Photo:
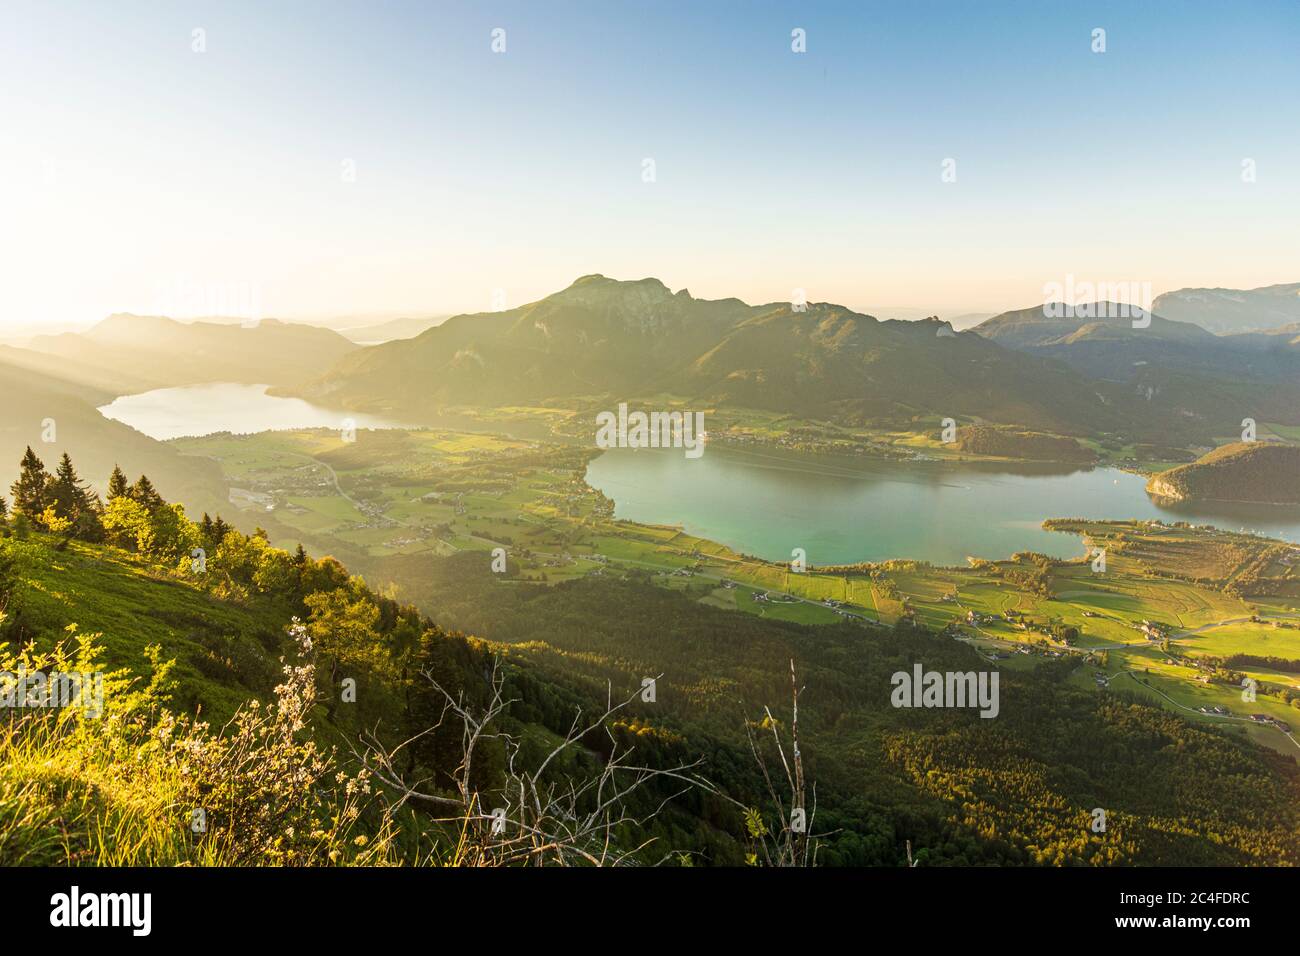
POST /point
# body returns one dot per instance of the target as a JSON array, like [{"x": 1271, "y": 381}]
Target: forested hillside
[
  {"x": 1180, "y": 382},
  {"x": 1263, "y": 472},
  {"x": 1017, "y": 443},
  {"x": 287, "y": 736},
  {"x": 1006, "y": 790},
  {"x": 300, "y": 757}
]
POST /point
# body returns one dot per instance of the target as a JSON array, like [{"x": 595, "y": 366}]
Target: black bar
[{"x": 334, "y": 906}]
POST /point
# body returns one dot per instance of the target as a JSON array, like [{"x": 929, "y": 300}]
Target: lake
[
  {"x": 767, "y": 502},
  {"x": 842, "y": 510},
  {"x": 190, "y": 411},
  {"x": 195, "y": 410}
]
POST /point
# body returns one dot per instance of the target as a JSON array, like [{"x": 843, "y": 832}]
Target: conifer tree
[
  {"x": 219, "y": 530},
  {"x": 144, "y": 493},
  {"x": 74, "y": 502},
  {"x": 29, "y": 490},
  {"x": 117, "y": 484},
  {"x": 64, "y": 491}
]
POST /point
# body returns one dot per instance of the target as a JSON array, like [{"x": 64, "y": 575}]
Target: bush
[{"x": 122, "y": 788}]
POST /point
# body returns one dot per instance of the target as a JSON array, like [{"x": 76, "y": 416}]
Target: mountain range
[
  {"x": 400, "y": 328},
  {"x": 1173, "y": 375},
  {"x": 1233, "y": 310},
  {"x": 140, "y": 352},
  {"x": 602, "y": 338}
]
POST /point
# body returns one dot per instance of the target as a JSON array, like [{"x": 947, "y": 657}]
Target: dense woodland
[
  {"x": 1263, "y": 472},
  {"x": 1017, "y": 443}
]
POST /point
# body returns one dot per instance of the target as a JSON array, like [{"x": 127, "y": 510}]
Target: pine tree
[
  {"x": 205, "y": 530},
  {"x": 117, "y": 484},
  {"x": 64, "y": 491},
  {"x": 146, "y": 495},
  {"x": 29, "y": 490},
  {"x": 300, "y": 556},
  {"x": 219, "y": 530},
  {"x": 4, "y": 510},
  {"x": 74, "y": 502}
]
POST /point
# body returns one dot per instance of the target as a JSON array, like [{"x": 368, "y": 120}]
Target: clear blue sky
[{"x": 132, "y": 164}]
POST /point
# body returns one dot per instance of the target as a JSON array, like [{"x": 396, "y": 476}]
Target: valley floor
[{"x": 1172, "y": 604}]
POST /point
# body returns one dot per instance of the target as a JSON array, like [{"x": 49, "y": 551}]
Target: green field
[{"x": 400, "y": 493}]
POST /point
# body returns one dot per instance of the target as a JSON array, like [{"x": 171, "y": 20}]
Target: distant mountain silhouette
[
  {"x": 602, "y": 337},
  {"x": 1233, "y": 310},
  {"x": 140, "y": 352}
]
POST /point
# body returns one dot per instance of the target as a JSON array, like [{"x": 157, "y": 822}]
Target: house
[{"x": 1154, "y": 630}]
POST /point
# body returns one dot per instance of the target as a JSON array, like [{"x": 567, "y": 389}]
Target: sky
[{"x": 381, "y": 158}]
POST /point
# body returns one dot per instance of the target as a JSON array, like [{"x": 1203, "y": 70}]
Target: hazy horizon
[{"x": 962, "y": 318}]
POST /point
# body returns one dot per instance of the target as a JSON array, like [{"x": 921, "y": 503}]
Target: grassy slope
[{"x": 224, "y": 653}]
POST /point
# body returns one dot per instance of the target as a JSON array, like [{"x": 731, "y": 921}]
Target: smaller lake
[
  {"x": 195, "y": 410},
  {"x": 843, "y": 510}
]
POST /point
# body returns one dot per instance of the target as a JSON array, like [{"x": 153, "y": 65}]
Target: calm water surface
[
  {"x": 767, "y": 503},
  {"x": 195, "y": 410},
  {"x": 841, "y": 510}
]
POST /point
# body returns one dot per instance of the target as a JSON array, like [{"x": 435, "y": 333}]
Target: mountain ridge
[
  {"x": 600, "y": 337},
  {"x": 142, "y": 352},
  {"x": 1223, "y": 310}
]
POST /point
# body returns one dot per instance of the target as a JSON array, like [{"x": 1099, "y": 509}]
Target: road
[{"x": 1287, "y": 734}]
